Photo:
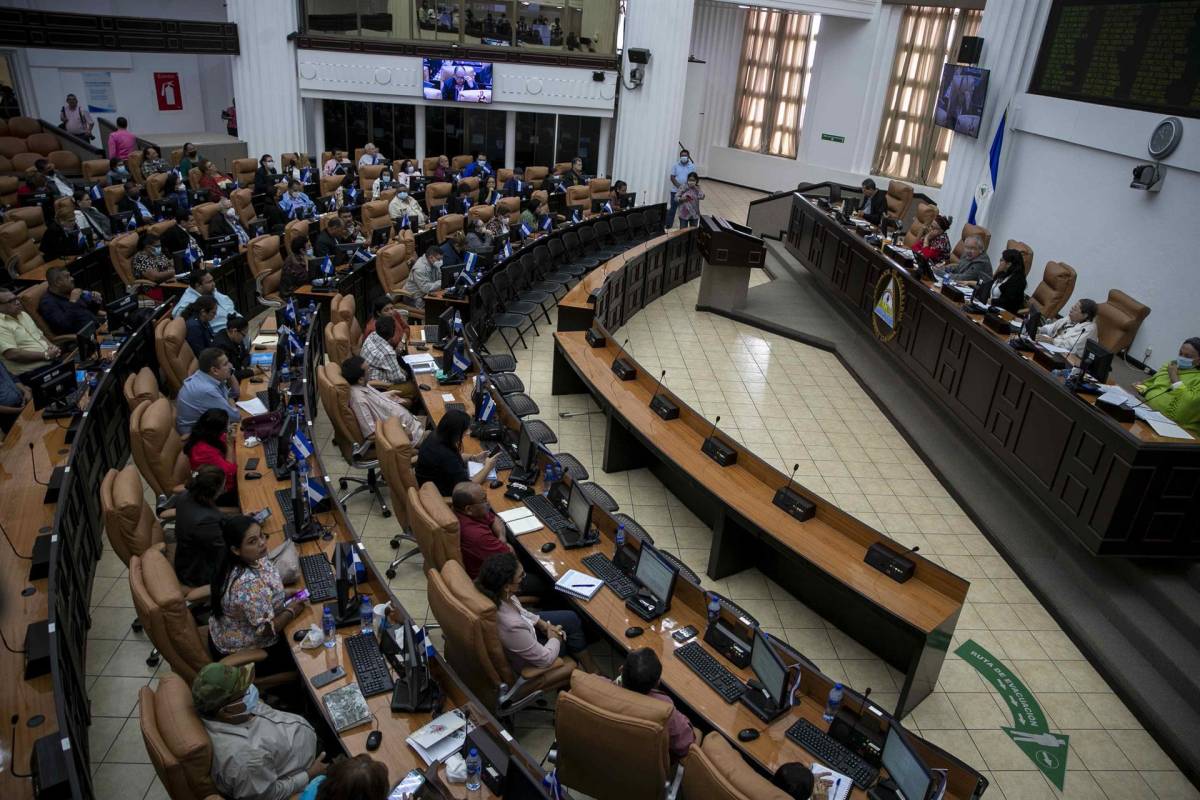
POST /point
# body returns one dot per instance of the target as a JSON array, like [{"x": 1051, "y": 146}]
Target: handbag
[
  {"x": 286, "y": 559},
  {"x": 263, "y": 426}
]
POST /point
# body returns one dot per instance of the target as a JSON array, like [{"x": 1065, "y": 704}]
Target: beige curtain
[
  {"x": 777, "y": 51},
  {"x": 910, "y": 147}
]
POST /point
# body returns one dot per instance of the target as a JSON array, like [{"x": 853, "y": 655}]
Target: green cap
[{"x": 218, "y": 684}]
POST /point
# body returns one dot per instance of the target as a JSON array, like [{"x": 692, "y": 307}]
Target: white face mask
[
  {"x": 1184, "y": 362},
  {"x": 401, "y": 195},
  {"x": 683, "y": 159}
]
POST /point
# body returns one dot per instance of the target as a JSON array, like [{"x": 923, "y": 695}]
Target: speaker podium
[{"x": 730, "y": 251}]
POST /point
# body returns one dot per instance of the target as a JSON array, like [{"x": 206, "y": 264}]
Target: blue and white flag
[
  {"x": 466, "y": 203},
  {"x": 301, "y": 446},
  {"x": 82, "y": 238},
  {"x": 552, "y": 786},
  {"x": 327, "y": 267},
  {"x": 352, "y": 192},
  {"x": 506, "y": 250},
  {"x": 306, "y": 175},
  {"x": 294, "y": 343},
  {"x": 470, "y": 262},
  {"x": 289, "y": 311},
  {"x": 443, "y": 210},
  {"x": 986, "y": 189},
  {"x": 525, "y": 230},
  {"x": 191, "y": 256},
  {"x": 404, "y": 221},
  {"x": 96, "y": 192},
  {"x": 460, "y": 360},
  {"x": 607, "y": 207},
  {"x": 520, "y": 185},
  {"x": 458, "y": 323},
  {"x": 316, "y": 491},
  {"x": 547, "y": 223},
  {"x": 132, "y": 223},
  {"x": 487, "y": 407},
  {"x": 577, "y": 216}
]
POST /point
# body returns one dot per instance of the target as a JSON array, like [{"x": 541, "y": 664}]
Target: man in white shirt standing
[{"x": 76, "y": 118}]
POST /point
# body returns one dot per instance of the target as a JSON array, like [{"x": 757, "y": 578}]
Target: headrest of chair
[
  {"x": 263, "y": 248},
  {"x": 141, "y": 385},
  {"x": 460, "y": 585},
  {"x": 729, "y": 764},
  {"x": 31, "y": 297},
  {"x": 602, "y": 693},
  {"x": 392, "y": 255},
  {"x": 1059, "y": 274},
  {"x": 157, "y": 426},
  {"x": 121, "y": 492},
  {"x": 438, "y": 190},
  {"x": 436, "y": 507},
  {"x": 14, "y": 234},
  {"x": 171, "y": 714},
  {"x": 578, "y": 193}
]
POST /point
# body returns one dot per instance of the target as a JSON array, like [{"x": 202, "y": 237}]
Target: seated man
[
  {"x": 404, "y": 205},
  {"x": 201, "y": 284},
  {"x": 640, "y": 674},
  {"x": 232, "y": 341},
  {"x": 481, "y": 531},
  {"x": 425, "y": 276},
  {"x": 65, "y": 308},
  {"x": 874, "y": 203},
  {"x": 1175, "y": 388},
  {"x": 258, "y": 752},
  {"x": 212, "y": 385},
  {"x": 454, "y": 249},
  {"x": 327, "y": 241},
  {"x": 975, "y": 265},
  {"x": 478, "y": 168},
  {"x": 383, "y": 365},
  {"x": 63, "y": 237},
  {"x": 23, "y": 347},
  {"x": 372, "y": 406},
  {"x": 385, "y": 306},
  {"x": 228, "y": 223},
  {"x": 295, "y": 203},
  {"x": 13, "y": 397},
  {"x": 133, "y": 202},
  {"x": 515, "y": 186},
  {"x": 199, "y": 317}
]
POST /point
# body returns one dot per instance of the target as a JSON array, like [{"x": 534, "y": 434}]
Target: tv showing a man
[{"x": 457, "y": 81}]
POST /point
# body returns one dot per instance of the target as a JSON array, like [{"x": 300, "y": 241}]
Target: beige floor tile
[
  {"x": 978, "y": 710},
  {"x": 1139, "y": 747},
  {"x": 1024, "y": 785},
  {"x": 1170, "y": 785},
  {"x": 1000, "y": 753},
  {"x": 1110, "y": 708},
  {"x": 1097, "y": 750},
  {"x": 122, "y": 780},
  {"x": 115, "y": 697},
  {"x": 1067, "y": 710},
  {"x": 1121, "y": 785},
  {"x": 128, "y": 747}
]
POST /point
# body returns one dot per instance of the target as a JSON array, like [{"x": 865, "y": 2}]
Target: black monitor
[
  {"x": 451, "y": 348},
  {"x": 179, "y": 260},
  {"x": 579, "y": 511},
  {"x": 450, "y": 275},
  {"x": 835, "y": 194},
  {"x": 630, "y": 200},
  {"x": 50, "y": 383},
  {"x": 120, "y": 221},
  {"x": 520, "y": 784},
  {"x": 558, "y": 203},
  {"x": 850, "y": 205},
  {"x": 769, "y": 669},
  {"x": 345, "y": 581},
  {"x": 446, "y": 324},
  {"x": 316, "y": 267},
  {"x": 1033, "y": 321},
  {"x": 86, "y": 345},
  {"x": 526, "y": 463},
  {"x": 283, "y": 442},
  {"x": 301, "y": 527},
  {"x": 910, "y": 774},
  {"x": 655, "y": 574},
  {"x": 1098, "y": 359},
  {"x": 379, "y": 236}
]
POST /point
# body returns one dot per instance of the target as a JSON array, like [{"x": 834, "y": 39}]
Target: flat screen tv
[
  {"x": 961, "y": 98},
  {"x": 457, "y": 81}
]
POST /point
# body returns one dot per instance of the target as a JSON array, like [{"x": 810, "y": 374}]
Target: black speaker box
[{"x": 970, "y": 50}]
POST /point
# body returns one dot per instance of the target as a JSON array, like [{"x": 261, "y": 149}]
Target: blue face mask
[
  {"x": 1184, "y": 362},
  {"x": 250, "y": 699}
]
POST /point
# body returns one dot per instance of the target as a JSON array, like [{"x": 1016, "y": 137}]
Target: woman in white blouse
[{"x": 1072, "y": 331}]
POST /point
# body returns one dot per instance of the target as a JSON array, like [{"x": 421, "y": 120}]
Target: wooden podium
[{"x": 730, "y": 251}]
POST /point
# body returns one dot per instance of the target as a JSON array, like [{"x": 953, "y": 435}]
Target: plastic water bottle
[
  {"x": 620, "y": 536},
  {"x": 329, "y": 627},
  {"x": 835, "y": 700},
  {"x": 714, "y": 608},
  {"x": 473, "y": 770},
  {"x": 548, "y": 481},
  {"x": 367, "y": 614}
]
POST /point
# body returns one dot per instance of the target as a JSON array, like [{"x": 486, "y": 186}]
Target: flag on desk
[
  {"x": 576, "y": 216},
  {"x": 316, "y": 491},
  {"x": 470, "y": 262},
  {"x": 327, "y": 267},
  {"x": 466, "y": 203},
  {"x": 192, "y": 255},
  {"x": 96, "y": 192},
  {"x": 525, "y": 231},
  {"x": 487, "y": 407},
  {"x": 289, "y": 311},
  {"x": 547, "y": 223},
  {"x": 506, "y": 250},
  {"x": 607, "y": 207},
  {"x": 306, "y": 175},
  {"x": 301, "y": 446},
  {"x": 404, "y": 222},
  {"x": 986, "y": 189},
  {"x": 82, "y": 238},
  {"x": 294, "y": 344},
  {"x": 132, "y": 223},
  {"x": 352, "y": 192},
  {"x": 460, "y": 360}
]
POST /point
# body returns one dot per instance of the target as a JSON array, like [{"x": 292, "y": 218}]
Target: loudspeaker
[{"x": 969, "y": 50}]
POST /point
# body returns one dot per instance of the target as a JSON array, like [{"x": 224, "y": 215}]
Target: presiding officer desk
[
  {"x": 1117, "y": 486},
  {"x": 396, "y": 727}
]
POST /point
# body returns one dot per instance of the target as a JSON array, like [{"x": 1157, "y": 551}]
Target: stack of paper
[
  {"x": 1161, "y": 424},
  {"x": 579, "y": 584},
  {"x": 421, "y": 363},
  {"x": 441, "y": 738},
  {"x": 473, "y": 468},
  {"x": 266, "y": 340},
  {"x": 521, "y": 520}
]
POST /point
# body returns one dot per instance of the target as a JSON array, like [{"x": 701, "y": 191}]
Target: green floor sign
[{"x": 1030, "y": 732}]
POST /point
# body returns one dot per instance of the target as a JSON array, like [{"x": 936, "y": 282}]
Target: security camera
[
  {"x": 637, "y": 75},
  {"x": 638, "y": 55},
  {"x": 1147, "y": 177}
]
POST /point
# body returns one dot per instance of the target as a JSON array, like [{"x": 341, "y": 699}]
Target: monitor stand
[
  {"x": 885, "y": 790},
  {"x": 763, "y": 707}
]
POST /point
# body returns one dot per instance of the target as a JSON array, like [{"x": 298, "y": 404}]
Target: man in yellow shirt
[
  {"x": 1175, "y": 389},
  {"x": 23, "y": 346}
]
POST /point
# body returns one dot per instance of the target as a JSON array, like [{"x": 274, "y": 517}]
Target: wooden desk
[{"x": 1119, "y": 488}]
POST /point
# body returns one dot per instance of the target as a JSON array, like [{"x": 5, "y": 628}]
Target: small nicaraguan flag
[
  {"x": 404, "y": 221},
  {"x": 547, "y": 223},
  {"x": 327, "y": 266},
  {"x": 190, "y": 256},
  {"x": 131, "y": 224},
  {"x": 552, "y": 786},
  {"x": 525, "y": 230},
  {"x": 470, "y": 261},
  {"x": 466, "y": 203},
  {"x": 316, "y": 491},
  {"x": 520, "y": 185},
  {"x": 576, "y": 216},
  {"x": 301, "y": 447},
  {"x": 96, "y": 192},
  {"x": 361, "y": 255},
  {"x": 82, "y": 239},
  {"x": 352, "y": 192},
  {"x": 295, "y": 208},
  {"x": 306, "y": 175},
  {"x": 607, "y": 207},
  {"x": 494, "y": 198},
  {"x": 506, "y": 251},
  {"x": 460, "y": 360},
  {"x": 297, "y": 347},
  {"x": 487, "y": 407},
  {"x": 457, "y": 325},
  {"x": 289, "y": 311},
  {"x": 443, "y": 210}
]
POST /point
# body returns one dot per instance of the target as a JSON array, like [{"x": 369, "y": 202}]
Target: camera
[
  {"x": 1147, "y": 177},
  {"x": 638, "y": 55}
]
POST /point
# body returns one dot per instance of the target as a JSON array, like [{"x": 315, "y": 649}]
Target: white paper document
[
  {"x": 473, "y": 468},
  {"x": 839, "y": 784},
  {"x": 421, "y": 363},
  {"x": 1161, "y": 425},
  {"x": 521, "y": 520},
  {"x": 579, "y": 584},
  {"x": 440, "y": 738},
  {"x": 253, "y": 406}
]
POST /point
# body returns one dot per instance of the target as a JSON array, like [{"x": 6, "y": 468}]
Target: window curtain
[
  {"x": 777, "y": 52},
  {"x": 910, "y": 147}
]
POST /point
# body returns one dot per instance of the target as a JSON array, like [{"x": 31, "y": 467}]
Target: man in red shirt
[{"x": 481, "y": 531}]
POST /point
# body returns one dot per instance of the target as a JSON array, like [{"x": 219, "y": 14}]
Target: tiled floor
[{"x": 791, "y": 404}]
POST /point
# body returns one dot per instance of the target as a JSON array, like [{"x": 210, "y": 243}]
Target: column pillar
[
  {"x": 1011, "y": 31},
  {"x": 265, "y": 82},
  {"x": 318, "y": 128},
  {"x": 419, "y": 124},
  {"x": 649, "y": 117},
  {"x": 510, "y": 139},
  {"x": 604, "y": 146}
]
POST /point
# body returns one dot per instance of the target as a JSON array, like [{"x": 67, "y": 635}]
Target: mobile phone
[
  {"x": 328, "y": 677},
  {"x": 408, "y": 786},
  {"x": 684, "y": 634},
  {"x": 252, "y": 463},
  {"x": 494, "y": 451},
  {"x": 261, "y": 516},
  {"x": 299, "y": 596}
]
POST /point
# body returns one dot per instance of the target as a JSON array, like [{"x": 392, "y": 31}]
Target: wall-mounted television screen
[
  {"x": 960, "y": 99},
  {"x": 459, "y": 81}
]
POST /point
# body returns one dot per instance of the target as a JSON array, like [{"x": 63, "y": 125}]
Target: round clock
[{"x": 1165, "y": 138}]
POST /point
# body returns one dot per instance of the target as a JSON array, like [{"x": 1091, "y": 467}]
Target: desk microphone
[
  {"x": 622, "y": 368},
  {"x": 717, "y": 450},
  {"x": 662, "y": 405},
  {"x": 792, "y": 501}
]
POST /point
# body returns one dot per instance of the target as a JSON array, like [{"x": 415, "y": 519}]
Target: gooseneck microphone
[
  {"x": 622, "y": 368},
  {"x": 717, "y": 450},
  {"x": 662, "y": 405},
  {"x": 791, "y": 501}
]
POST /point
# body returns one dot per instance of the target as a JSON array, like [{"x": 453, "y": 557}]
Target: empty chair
[
  {"x": 156, "y": 447},
  {"x": 121, "y": 250},
  {"x": 243, "y": 170},
  {"x": 17, "y": 249},
  {"x": 23, "y": 127},
  {"x": 448, "y": 224},
  {"x": 32, "y": 216},
  {"x": 263, "y": 255},
  {"x": 176, "y": 359},
  {"x": 499, "y": 319},
  {"x": 437, "y": 194},
  {"x": 1118, "y": 319},
  {"x": 294, "y": 229},
  {"x": 244, "y": 205},
  {"x": 41, "y": 143},
  {"x": 375, "y": 216},
  {"x": 1055, "y": 289},
  {"x": 458, "y": 163},
  {"x": 140, "y": 386},
  {"x": 899, "y": 198},
  {"x": 536, "y": 175},
  {"x": 337, "y": 341},
  {"x": 129, "y": 521},
  {"x": 579, "y": 198}
]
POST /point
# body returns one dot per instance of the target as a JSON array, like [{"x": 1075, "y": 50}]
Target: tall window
[
  {"x": 910, "y": 147},
  {"x": 454, "y": 131},
  {"x": 350, "y": 124},
  {"x": 777, "y": 58}
]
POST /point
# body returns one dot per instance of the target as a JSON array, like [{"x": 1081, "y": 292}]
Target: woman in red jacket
[
  {"x": 934, "y": 245},
  {"x": 208, "y": 444}
]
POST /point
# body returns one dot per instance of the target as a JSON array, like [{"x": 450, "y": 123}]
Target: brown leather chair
[
  {"x": 598, "y": 724},
  {"x": 176, "y": 741},
  {"x": 502, "y": 176},
  {"x": 23, "y": 127},
  {"x": 540, "y": 195},
  {"x": 367, "y": 175},
  {"x": 154, "y": 185},
  {"x": 899, "y": 198},
  {"x": 294, "y": 228},
  {"x": 64, "y": 204},
  {"x": 600, "y": 188},
  {"x": 375, "y": 216},
  {"x": 66, "y": 162},
  {"x": 121, "y": 250},
  {"x": 925, "y": 213},
  {"x": 434, "y": 526},
  {"x": 437, "y": 194},
  {"x": 473, "y": 649},
  {"x": 469, "y": 187},
  {"x": 1056, "y": 288},
  {"x": 95, "y": 170},
  {"x": 1025, "y": 250},
  {"x": 330, "y": 184},
  {"x": 969, "y": 230},
  {"x": 9, "y": 184},
  {"x": 536, "y": 175},
  {"x": 6, "y": 166},
  {"x": 141, "y": 386},
  {"x": 244, "y": 169},
  {"x": 157, "y": 449},
  {"x": 393, "y": 262},
  {"x": 26, "y": 162},
  {"x": 357, "y": 449},
  {"x": 263, "y": 255},
  {"x": 177, "y": 361},
  {"x": 344, "y": 308},
  {"x": 193, "y": 178},
  {"x": 134, "y": 163},
  {"x": 112, "y": 196},
  {"x": 176, "y": 156},
  {"x": 715, "y": 771},
  {"x": 286, "y": 160},
  {"x": 17, "y": 248},
  {"x": 562, "y": 167},
  {"x": 1118, "y": 319},
  {"x": 579, "y": 197},
  {"x": 33, "y": 217},
  {"x": 510, "y": 207},
  {"x": 458, "y": 163},
  {"x": 243, "y": 204},
  {"x": 30, "y": 299},
  {"x": 483, "y": 212},
  {"x": 429, "y": 165},
  {"x": 447, "y": 225},
  {"x": 396, "y": 453},
  {"x": 42, "y": 143},
  {"x": 203, "y": 214},
  {"x": 337, "y": 341},
  {"x": 129, "y": 520},
  {"x": 11, "y": 146}
]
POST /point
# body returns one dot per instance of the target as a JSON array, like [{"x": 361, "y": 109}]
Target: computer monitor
[
  {"x": 120, "y": 221},
  {"x": 579, "y": 511},
  {"x": 283, "y": 442},
  {"x": 1100, "y": 360},
  {"x": 519, "y": 784},
  {"x": 120, "y": 310},
  {"x": 835, "y": 194},
  {"x": 558, "y": 203},
  {"x": 379, "y": 237},
  {"x": 850, "y": 205},
  {"x": 769, "y": 669},
  {"x": 446, "y": 324},
  {"x": 904, "y": 767},
  {"x": 50, "y": 383},
  {"x": 448, "y": 352},
  {"x": 1033, "y": 321},
  {"x": 655, "y": 574},
  {"x": 450, "y": 275},
  {"x": 179, "y": 260},
  {"x": 86, "y": 345},
  {"x": 526, "y": 462},
  {"x": 345, "y": 585},
  {"x": 301, "y": 512}
]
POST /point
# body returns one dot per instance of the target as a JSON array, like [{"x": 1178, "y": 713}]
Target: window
[
  {"x": 777, "y": 57},
  {"x": 464, "y": 131},
  {"x": 910, "y": 147},
  {"x": 350, "y": 124},
  {"x": 535, "y": 139},
  {"x": 578, "y": 136}
]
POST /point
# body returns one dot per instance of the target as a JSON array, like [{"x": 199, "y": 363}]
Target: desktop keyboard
[
  {"x": 504, "y": 461},
  {"x": 456, "y": 407},
  {"x": 318, "y": 578},
  {"x": 721, "y": 680},
  {"x": 264, "y": 398},
  {"x": 602, "y": 567},
  {"x": 369, "y": 666},
  {"x": 833, "y": 753},
  {"x": 271, "y": 451},
  {"x": 546, "y": 512},
  {"x": 283, "y": 499}
]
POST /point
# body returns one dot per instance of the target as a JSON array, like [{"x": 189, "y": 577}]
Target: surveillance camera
[
  {"x": 637, "y": 75},
  {"x": 598, "y": 76},
  {"x": 638, "y": 55},
  {"x": 1147, "y": 177}
]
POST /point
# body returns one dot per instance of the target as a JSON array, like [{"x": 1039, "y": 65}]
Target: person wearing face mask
[
  {"x": 63, "y": 238},
  {"x": 91, "y": 219},
  {"x": 295, "y": 267},
  {"x": 173, "y": 192},
  {"x": 262, "y": 175},
  {"x": 408, "y": 171},
  {"x": 425, "y": 276},
  {"x": 55, "y": 182},
  {"x": 228, "y": 223},
  {"x": 1073, "y": 331},
  {"x": 479, "y": 168},
  {"x": 132, "y": 202},
  {"x": 150, "y": 263},
  {"x": 212, "y": 179},
  {"x": 488, "y": 196},
  {"x": 295, "y": 203},
  {"x": 273, "y": 211},
  {"x": 404, "y": 204},
  {"x": 574, "y": 176},
  {"x": 479, "y": 241},
  {"x": 516, "y": 185},
  {"x": 258, "y": 752},
  {"x": 191, "y": 158},
  {"x": 1175, "y": 388},
  {"x": 118, "y": 172},
  {"x": 678, "y": 178},
  {"x": 381, "y": 184},
  {"x": 689, "y": 198},
  {"x": 442, "y": 171}
]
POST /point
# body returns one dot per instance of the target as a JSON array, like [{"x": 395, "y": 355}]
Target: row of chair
[{"x": 23, "y": 141}]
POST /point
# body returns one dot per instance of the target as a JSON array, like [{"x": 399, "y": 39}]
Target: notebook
[
  {"x": 442, "y": 737},
  {"x": 579, "y": 584},
  {"x": 521, "y": 520},
  {"x": 347, "y": 707},
  {"x": 837, "y": 791}
]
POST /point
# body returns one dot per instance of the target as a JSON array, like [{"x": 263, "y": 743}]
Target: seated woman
[
  {"x": 618, "y": 196},
  {"x": 440, "y": 458},
  {"x": 382, "y": 183},
  {"x": 198, "y": 542},
  {"x": 295, "y": 268},
  {"x": 408, "y": 171},
  {"x": 118, "y": 172},
  {"x": 1006, "y": 287},
  {"x": 487, "y": 192},
  {"x": 934, "y": 244},
  {"x": 174, "y": 192},
  {"x": 529, "y": 639},
  {"x": 1175, "y": 388},
  {"x": 211, "y": 179},
  {"x": 263, "y": 173},
  {"x": 357, "y": 778},
  {"x": 199, "y": 316},
  {"x": 1072, "y": 331},
  {"x": 150, "y": 263},
  {"x": 208, "y": 444},
  {"x": 442, "y": 171},
  {"x": 249, "y": 608}
]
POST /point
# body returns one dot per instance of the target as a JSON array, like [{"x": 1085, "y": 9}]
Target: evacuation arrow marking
[{"x": 1046, "y": 749}]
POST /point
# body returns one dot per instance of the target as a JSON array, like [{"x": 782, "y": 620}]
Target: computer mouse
[
  {"x": 496, "y": 484},
  {"x": 548, "y": 546},
  {"x": 423, "y": 387},
  {"x": 373, "y": 740},
  {"x": 634, "y": 632},
  {"x": 299, "y": 635},
  {"x": 744, "y": 735},
  {"x": 253, "y": 476}
]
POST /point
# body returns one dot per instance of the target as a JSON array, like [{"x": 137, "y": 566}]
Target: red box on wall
[{"x": 168, "y": 91}]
